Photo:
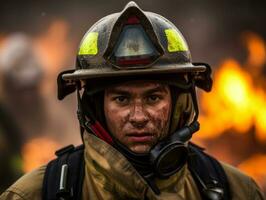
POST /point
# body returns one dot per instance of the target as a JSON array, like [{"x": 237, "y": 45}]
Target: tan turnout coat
[{"x": 108, "y": 175}]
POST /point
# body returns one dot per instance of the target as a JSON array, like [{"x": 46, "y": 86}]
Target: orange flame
[
  {"x": 38, "y": 152},
  {"x": 236, "y": 101},
  {"x": 53, "y": 48},
  {"x": 256, "y": 49}
]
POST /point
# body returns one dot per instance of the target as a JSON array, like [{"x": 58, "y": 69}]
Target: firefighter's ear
[
  {"x": 65, "y": 87},
  {"x": 203, "y": 80}
]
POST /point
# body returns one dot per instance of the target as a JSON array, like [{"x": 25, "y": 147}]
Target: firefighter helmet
[{"x": 132, "y": 42}]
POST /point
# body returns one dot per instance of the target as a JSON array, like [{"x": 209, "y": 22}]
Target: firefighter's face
[{"x": 138, "y": 113}]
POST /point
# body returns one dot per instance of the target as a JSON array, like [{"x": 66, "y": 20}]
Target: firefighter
[{"x": 137, "y": 109}]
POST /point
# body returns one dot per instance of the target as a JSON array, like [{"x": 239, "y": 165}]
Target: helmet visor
[{"x": 134, "y": 48}]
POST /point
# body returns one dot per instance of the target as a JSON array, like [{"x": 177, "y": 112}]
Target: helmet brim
[{"x": 83, "y": 74}]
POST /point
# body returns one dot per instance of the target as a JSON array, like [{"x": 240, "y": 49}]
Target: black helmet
[{"x": 132, "y": 42}]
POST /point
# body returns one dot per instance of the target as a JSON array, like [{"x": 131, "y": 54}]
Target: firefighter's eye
[
  {"x": 121, "y": 99},
  {"x": 153, "y": 98}
]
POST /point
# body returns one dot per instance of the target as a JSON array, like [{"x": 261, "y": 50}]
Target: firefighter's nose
[{"x": 138, "y": 116}]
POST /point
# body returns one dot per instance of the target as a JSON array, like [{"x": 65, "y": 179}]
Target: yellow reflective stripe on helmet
[
  {"x": 89, "y": 45},
  {"x": 175, "y": 41}
]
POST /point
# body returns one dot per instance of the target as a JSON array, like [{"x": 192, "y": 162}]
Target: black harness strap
[
  {"x": 62, "y": 176},
  {"x": 208, "y": 174}
]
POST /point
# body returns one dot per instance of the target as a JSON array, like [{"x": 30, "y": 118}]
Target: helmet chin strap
[{"x": 164, "y": 159}]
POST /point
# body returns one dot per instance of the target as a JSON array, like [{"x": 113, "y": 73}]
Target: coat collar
[{"x": 113, "y": 173}]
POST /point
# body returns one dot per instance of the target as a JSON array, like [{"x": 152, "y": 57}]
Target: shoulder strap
[
  {"x": 208, "y": 174},
  {"x": 64, "y": 175}
]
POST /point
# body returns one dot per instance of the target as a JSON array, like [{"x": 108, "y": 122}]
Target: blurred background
[{"x": 40, "y": 38}]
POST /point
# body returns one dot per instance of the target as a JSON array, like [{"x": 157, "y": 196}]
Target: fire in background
[{"x": 233, "y": 115}]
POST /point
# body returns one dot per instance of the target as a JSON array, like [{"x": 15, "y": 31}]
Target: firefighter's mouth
[{"x": 142, "y": 137}]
